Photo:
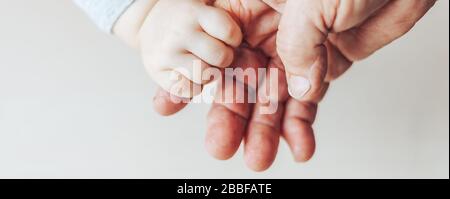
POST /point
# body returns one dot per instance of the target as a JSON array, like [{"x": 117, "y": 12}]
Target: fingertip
[
  {"x": 260, "y": 149},
  {"x": 301, "y": 155},
  {"x": 300, "y": 137},
  {"x": 225, "y": 130},
  {"x": 305, "y": 83},
  {"x": 220, "y": 24},
  {"x": 226, "y": 58},
  {"x": 167, "y": 105},
  {"x": 256, "y": 165},
  {"x": 233, "y": 35},
  {"x": 237, "y": 36},
  {"x": 259, "y": 159},
  {"x": 218, "y": 150}
]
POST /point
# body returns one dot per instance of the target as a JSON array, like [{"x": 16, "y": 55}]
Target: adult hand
[
  {"x": 230, "y": 123},
  {"x": 342, "y": 31},
  {"x": 357, "y": 29}
]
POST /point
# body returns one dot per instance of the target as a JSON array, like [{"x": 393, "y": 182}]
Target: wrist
[{"x": 128, "y": 25}]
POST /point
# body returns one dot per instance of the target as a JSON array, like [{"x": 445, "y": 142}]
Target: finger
[
  {"x": 219, "y": 24},
  {"x": 300, "y": 46},
  {"x": 308, "y": 89},
  {"x": 191, "y": 67},
  {"x": 338, "y": 64},
  {"x": 386, "y": 25},
  {"x": 167, "y": 71},
  {"x": 166, "y": 104},
  {"x": 262, "y": 139},
  {"x": 211, "y": 50},
  {"x": 263, "y": 27},
  {"x": 297, "y": 129},
  {"x": 227, "y": 121},
  {"x": 304, "y": 30},
  {"x": 350, "y": 13},
  {"x": 176, "y": 83},
  {"x": 229, "y": 115},
  {"x": 245, "y": 69},
  {"x": 264, "y": 129}
]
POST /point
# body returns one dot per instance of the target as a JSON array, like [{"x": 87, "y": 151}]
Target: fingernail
[{"x": 298, "y": 86}]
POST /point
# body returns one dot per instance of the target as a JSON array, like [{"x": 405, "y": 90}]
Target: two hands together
[{"x": 305, "y": 43}]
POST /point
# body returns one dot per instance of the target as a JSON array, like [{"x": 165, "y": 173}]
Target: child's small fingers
[
  {"x": 176, "y": 83},
  {"x": 194, "y": 69},
  {"x": 219, "y": 24},
  {"x": 211, "y": 50}
]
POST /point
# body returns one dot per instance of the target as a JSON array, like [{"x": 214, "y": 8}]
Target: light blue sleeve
[{"x": 104, "y": 13}]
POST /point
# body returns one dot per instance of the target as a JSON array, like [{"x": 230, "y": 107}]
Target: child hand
[{"x": 176, "y": 33}]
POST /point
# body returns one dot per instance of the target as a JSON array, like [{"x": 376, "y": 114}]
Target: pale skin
[
  {"x": 315, "y": 51},
  {"x": 195, "y": 31}
]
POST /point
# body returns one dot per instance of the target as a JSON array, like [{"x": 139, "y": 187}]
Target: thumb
[
  {"x": 302, "y": 35},
  {"x": 300, "y": 46}
]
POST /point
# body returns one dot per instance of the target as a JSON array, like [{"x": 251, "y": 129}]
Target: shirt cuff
[{"x": 104, "y": 13}]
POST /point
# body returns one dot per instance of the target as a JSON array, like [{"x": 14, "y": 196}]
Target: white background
[{"x": 76, "y": 103}]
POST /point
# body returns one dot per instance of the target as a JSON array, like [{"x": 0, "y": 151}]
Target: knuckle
[
  {"x": 224, "y": 57},
  {"x": 229, "y": 32}
]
